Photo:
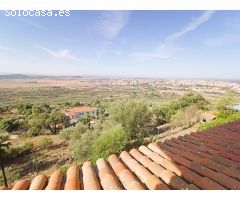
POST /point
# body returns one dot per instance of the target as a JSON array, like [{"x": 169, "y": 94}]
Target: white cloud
[
  {"x": 224, "y": 40},
  {"x": 193, "y": 25},
  {"x": 64, "y": 54},
  {"x": 111, "y": 23},
  {"x": 167, "y": 49}
]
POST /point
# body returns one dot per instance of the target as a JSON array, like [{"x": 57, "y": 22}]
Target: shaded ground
[{"x": 39, "y": 161}]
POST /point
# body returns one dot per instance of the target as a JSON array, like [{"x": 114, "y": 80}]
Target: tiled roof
[
  {"x": 72, "y": 111},
  {"x": 201, "y": 160}
]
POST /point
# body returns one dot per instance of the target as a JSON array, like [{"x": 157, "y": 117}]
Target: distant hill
[{"x": 13, "y": 76}]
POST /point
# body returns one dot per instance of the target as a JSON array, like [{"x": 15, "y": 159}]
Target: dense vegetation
[{"x": 128, "y": 124}]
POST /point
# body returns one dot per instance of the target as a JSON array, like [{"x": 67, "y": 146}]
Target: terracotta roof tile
[
  {"x": 127, "y": 178},
  {"x": 90, "y": 181},
  {"x": 150, "y": 180},
  {"x": 22, "y": 185},
  {"x": 72, "y": 179},
  {"x": 55, "y": 180},
  {"x": 109, "y": 180},
  {"x": 38, "y": 183},
  {"x": 203, "y": 160}
]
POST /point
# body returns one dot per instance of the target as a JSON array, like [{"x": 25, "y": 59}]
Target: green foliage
[
  {"x": 37, "y": 124},
  {"x": 86, "y": 120},
  {"x": 73, "y": 132},
  {"x": 44, "y": 142},
  {"x": 164, "y": 113},
  {"x": 134, "y": 117},
  {"x": 110, "y": 141},
  {"x": 12, "y": 124},
  {"x": 19, "y": 150},
  {"x": 82, "y": 147},
  {"x": 24, "y": 109},
  {"x": 66, "y": 133},
  {"x": 56, "y": 121},
  {"x": 223, "y": 119}
]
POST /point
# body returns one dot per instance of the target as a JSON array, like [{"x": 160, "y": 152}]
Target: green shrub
[
  {"x": 73, "y": 132},
  {"x": 109, "y": 142},
  {"x": 66, "y": 133},
  {"x": 44, "y": 142},
  {"x": 134, "y": 117},
  {"x": 164, "y": 113},
  {"x": 82, "y": 146},
  {"x": 19, "y": 150}
]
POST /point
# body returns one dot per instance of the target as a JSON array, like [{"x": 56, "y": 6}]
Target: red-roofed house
[{"x": 78, "y": 112}]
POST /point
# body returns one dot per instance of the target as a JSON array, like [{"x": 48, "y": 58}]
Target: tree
[
  {"x": 56, "y": 121},
  {"x": 82, "y": 146},
  {"x": 164, "y": 113},
  {"x": 113, "y": 140},
  {"x": 86, "y": 120},
  {"x": 4, "y": 145},
  {"x": 161, "y": 115},
  {"x": 134, "y": 117},
  {"x": 11, "y": 124},
  {"x": 37, "y": 124}
]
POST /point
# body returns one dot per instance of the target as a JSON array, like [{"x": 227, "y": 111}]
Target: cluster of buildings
[{"x": 211, "y": 86}]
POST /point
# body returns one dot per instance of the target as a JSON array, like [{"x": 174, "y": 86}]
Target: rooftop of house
[
  {"x": 203, "y": 160},
  {"x": 73, "y": 111}
]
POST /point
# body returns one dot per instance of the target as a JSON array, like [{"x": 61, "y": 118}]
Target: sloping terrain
[{"x": 201, "y": 160}]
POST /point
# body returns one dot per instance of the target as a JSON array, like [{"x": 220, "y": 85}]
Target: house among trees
[{"x": 77, "y": 113}]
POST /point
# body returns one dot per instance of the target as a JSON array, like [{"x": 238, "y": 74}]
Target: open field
[{"x": 86, "y": 90}]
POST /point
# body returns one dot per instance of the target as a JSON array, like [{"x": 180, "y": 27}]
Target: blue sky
[{"x": 164, "y": 44}]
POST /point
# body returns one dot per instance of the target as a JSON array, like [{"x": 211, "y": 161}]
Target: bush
[
  {"x": 44, "y": 142},
  {"x": 19, "y": 150},
  {"x": 82, "y": 146},
  {"x": 109, "y": 142},
  {"x": 134, "y": 117},
  {"x": 66, "y": 133},
  {"x": 73, "y": 132},
  {"x": 11, "y": 124},
  {"x": 164, "y": 113}
]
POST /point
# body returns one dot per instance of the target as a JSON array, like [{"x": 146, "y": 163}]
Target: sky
[{"x": 159, "y": 44}]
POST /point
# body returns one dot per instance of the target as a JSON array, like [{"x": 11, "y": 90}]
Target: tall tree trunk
[{"x": 3, "y": 172}]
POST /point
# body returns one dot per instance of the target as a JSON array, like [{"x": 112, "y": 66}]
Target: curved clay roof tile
[
  {"x": 22, "y": 185},
  {"x": 72, "y": 179},
  {"x": 38, "y": 183},
  {"x": 55, "y": 180},
  {"x": 90, "y": 181}
]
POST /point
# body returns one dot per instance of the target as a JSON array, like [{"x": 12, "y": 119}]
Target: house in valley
[{"x": 77, "y": 113}]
